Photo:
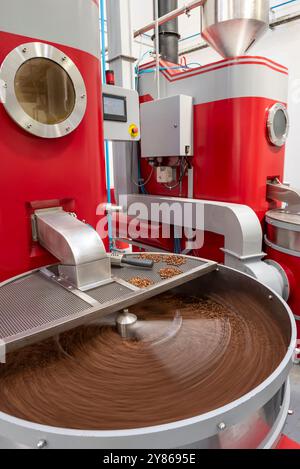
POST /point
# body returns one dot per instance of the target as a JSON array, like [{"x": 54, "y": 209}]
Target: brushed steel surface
[
  {"x": 153, "y": 274},
  {"x": 283, "y": 230},
  {"x": 292, "y": 428},
  {"x": 244, "y": 435},
  {"x": 283, "y": 193},
  {"x": 125, "y": 321},
  {"x": 288, "y": 218},
  {"x": 33, "y": 301},
  {"x": 112, "y": 292},
  {"x": 36, "y": 306},
  {"x": 231, "y": 27},
  {"x": 77, "y": 245},
  {"x": 67, "y": 238},
  {"x": 253, "y": 421}
]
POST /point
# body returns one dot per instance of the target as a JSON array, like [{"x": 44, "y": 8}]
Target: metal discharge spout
[{"x": 232, "y": 27}]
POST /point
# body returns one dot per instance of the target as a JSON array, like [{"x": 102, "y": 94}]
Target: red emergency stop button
[{"x": 134, "y": 130}]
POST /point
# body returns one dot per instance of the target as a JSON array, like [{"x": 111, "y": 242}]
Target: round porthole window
[
  {"x": 45, "y": 92},
  {"x": 278, "y": 124}
]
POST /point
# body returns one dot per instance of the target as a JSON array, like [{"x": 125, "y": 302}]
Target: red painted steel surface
[
  {"x": 233, "y": 158},
  {"x": 232, "y": 155},
  {"x": 37, "y": 173},
  {"x": 291, "y": 265},
  {"x": 286, "y": 443},
  {"x": 181, "y": 73}
]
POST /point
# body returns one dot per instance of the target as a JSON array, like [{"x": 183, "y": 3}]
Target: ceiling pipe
[
  {"x": 168, "y": 32},
  {"x": 185, "y": 9}
]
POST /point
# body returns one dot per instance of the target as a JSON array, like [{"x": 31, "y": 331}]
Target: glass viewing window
[{"x": 45, "y": 91}]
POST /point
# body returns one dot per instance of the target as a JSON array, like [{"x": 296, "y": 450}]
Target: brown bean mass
[
  {"x": 169, "y": 272},
  {"x": 175, "y": 260},
  {"x": 151, "y": 257},
  {"x": 170, "y": 259},
  {"x": 190, "y": 356},
  {"x": 141, "y": 282}
]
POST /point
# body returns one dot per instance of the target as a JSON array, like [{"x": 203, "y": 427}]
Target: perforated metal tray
[{"x": 39, "y": 304}]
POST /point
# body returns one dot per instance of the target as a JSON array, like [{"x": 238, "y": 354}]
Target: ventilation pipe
[{"x": 168, "y": 32}]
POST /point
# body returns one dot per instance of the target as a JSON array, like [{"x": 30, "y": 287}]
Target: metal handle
[{"x": 143, "y": 263}]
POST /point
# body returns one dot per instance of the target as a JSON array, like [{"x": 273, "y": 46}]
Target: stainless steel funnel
[{"x": 231, "y": 27}]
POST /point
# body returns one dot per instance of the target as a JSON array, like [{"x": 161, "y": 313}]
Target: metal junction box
[
  {"x": 165, "y": 174},
  {"x": 167, "y": 127}
]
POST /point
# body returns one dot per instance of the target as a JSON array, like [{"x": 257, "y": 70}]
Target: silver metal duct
[
  {"x": 231, "y": 27},
  {"x": 77, "y": 245}
]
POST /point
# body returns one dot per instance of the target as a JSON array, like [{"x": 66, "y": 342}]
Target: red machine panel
[
  {"x": 40, "y": 173},
  {"x": 291, "y": 265},
  {"x": 233, "y": 157}
]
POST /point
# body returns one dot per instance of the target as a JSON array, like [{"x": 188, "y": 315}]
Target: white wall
[{"x": 281, "y": 45}]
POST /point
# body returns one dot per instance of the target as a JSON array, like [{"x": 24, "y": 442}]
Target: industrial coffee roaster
[{"x": 213, "y": 137}]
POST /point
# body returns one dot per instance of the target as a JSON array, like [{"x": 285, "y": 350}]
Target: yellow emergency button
[{"x": 134, "y": 131}]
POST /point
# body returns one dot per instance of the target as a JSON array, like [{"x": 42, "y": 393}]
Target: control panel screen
[{"x": 115, "y": 108}]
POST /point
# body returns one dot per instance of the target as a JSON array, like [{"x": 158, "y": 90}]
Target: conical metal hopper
[{"x": 231, "y": 27}]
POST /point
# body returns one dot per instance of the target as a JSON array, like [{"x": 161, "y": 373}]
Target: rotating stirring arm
[{"x": 279, "y": 192}]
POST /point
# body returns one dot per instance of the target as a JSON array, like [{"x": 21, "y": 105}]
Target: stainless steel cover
[
  {"x": 255, "y": 420},
  {"x": 40, "y": 304},
  {"x": 283, "y": 231}
]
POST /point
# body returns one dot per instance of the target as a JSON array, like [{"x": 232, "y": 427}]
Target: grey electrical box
[{"x": 167, "y": 127}]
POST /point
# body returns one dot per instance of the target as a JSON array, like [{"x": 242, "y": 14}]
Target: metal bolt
[
  {"x": 4, "y": 85},
  {"x": 68, "y": 129},
  {"x": 222, "y": 426},
  {"x": 83, "y": 96},
  {"x": 24, "y": 50},
  {"x": 291, "y": 412},
  {"x": 64, "y": 58},
  {"x": 271, "y": 297},
  {"x": 188, "y": 12},
  {"x": 28, "y": 126},
  {"x": 41, "y": 444}
]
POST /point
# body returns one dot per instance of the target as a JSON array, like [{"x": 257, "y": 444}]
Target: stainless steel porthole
[
  {"x": 278, "y": 124},
  {"x": 45, "y": 91}
]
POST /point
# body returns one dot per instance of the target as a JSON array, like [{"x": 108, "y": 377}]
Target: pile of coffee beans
[
  {"x": 141, "y": 282},
  {"x": 169, "y": 272},
  {"x": 175, "y": 260}
]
